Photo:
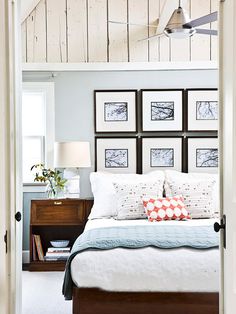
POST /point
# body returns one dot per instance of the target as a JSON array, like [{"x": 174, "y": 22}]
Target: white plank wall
[
  {"x": 36, "y": 34},
  {"x": 154, "y": 44},
  {"x": 138, "y": 14},
  {"x": 200, "y": 44},
  {"x": 118, "y": 33},
  {"x": 79, "y": 31},
  {"x": 165, "y": 48},
  {"x": 56, "y": 31},
  {"x": 97, "y": 31},
  {"x": 180, "y": 48},
  {"x": 214, "y": 39},
  {"x": 23, "y": 42}
]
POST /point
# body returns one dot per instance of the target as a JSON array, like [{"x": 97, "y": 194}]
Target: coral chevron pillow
[{"x": 168, "y": 208}]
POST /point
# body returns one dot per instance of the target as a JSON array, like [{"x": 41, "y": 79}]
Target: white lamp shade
[{"x": 72, "y": 155}]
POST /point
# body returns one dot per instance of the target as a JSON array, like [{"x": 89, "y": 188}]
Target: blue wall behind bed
[{"x": 74, "y": 116}]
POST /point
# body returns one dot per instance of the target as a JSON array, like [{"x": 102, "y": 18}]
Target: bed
[
  {"x": 125, "y": 265},
  {"x": 181, "y": 280}
]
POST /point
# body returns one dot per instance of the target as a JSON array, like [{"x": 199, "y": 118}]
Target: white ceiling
[{"x": 27, "y": 7}]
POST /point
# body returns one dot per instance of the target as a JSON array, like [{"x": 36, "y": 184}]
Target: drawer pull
[{"x": 57, "y": 203}]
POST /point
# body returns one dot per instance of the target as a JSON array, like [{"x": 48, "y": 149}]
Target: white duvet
[{"x": 147, "y": 269}]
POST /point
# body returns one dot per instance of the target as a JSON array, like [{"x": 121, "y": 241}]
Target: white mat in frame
[
  {"x": 116, "y": 154},
  {"x": 162, "y": 110},
  {"x": 203, "y": 154},
  {"x": 161, "y": 153}
]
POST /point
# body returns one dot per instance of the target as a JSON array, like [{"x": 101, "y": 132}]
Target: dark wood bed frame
[{"x": 96, "y": 301}]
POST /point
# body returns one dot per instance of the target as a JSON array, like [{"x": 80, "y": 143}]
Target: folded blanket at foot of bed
[{"x": 134, "y": 237}]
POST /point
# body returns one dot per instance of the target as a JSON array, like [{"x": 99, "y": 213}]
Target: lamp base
[{"x": 73, "y": 183}]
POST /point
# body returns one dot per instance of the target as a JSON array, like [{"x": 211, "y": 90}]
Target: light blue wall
[{"x": 74, "y": 116}]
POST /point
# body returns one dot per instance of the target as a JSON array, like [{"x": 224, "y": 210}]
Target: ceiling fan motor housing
[{"x": 175, "y": 28}]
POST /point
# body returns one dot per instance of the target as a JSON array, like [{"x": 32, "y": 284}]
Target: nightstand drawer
[{"x": 58, "y": 212}]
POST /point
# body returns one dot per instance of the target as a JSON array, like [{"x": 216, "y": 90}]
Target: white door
[
  {"x": 10, "y": 161},
  {"x": 228, "y": 149}
]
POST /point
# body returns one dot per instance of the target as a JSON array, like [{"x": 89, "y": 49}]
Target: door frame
[{"x": 10, "y": 163}]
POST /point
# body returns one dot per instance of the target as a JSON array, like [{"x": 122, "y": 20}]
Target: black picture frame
[
  {"x": 183, "y": 156},
  {"x": 142, "y": 91},
  {"x": 114, "y": 138},
  {"x": 134, "y": 116},
  {"x": 200, "y": 130}
]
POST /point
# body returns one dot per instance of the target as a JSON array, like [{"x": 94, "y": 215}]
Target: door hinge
[{"x": 6, "y": 241}]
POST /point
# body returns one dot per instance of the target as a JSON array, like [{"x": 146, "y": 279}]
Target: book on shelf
[
  {"x": 39, "y": 247},
  {"x": 58, "y": 249},
  {"x": 34, "y": 252},
  {"x": 63, "y": 254}
]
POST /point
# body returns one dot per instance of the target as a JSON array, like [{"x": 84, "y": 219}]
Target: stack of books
[{"x": 57, "y": 254}]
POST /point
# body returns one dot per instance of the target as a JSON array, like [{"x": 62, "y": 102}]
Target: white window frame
[{"x": 48, "y": 89}]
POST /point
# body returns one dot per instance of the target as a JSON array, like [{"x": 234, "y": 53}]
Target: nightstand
[{"x": 56, "y": 219}]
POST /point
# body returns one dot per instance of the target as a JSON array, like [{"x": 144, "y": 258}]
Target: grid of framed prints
[
  {"x": 202, "y": 109},
  {"x": 161, "y": 153},
  {"x": 115, "y": 110},
  {"x": 168, "y": 117},
  {"x": 203, "y": 154},
  {"x": 162, "y": 110},
  {"x": 117, "y": 155}
]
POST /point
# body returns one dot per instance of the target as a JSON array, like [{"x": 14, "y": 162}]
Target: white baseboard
[{"x": 25, "y": 257}]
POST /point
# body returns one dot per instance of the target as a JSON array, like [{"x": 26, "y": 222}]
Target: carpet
[{"x": 41, "y": 293}]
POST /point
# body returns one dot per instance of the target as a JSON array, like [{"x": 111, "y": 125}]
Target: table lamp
[{"x": 71, "y": 156}]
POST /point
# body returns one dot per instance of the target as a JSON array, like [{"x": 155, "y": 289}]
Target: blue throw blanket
[{"x": 133, "y": 237}]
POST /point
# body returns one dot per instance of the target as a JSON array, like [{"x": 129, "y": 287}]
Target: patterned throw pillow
[
  {"x": 129, "y": 198},
  {"x": 168, "y": 208},
  {"x": 198, "y": 196}
]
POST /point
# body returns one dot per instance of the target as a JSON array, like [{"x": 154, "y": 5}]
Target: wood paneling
[
  {"x": 154, "y": 44},
  {"x": 200, "y": 44},
  {"x": 79, "y": 31},
  {"x": 56, "y": 31},
  {"x": 97, "y": 31},
  {"x": 23, "y": 41},
  {"x": 138, "y": 14},
  {"x": 36, "y": 34},
  {"x": 180, "y": 48},
  {"x": 214, "y": 39},
  {"x": 118, "y": 36},
  {"x": 164, "y": 42}
]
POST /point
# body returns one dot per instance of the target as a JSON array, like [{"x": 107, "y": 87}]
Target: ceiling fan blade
[
  {"x": 206, "y": 31},
  {"x": 151, "y": 37},
  {"x": 132, "y": 24},
  {"x": 166, "y": 11},
  {"x": 209, "y": 18}
]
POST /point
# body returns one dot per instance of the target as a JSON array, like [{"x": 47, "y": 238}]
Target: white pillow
[
  {"x": 210, "y": 182},
  {"x": 130, "y": 198},
  {"x": 105, "y": 199}
]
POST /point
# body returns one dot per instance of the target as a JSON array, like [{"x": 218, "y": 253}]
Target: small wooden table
[{"x": 56, "y": 219}]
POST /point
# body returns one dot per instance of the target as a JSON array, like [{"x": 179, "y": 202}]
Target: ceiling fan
[{"x": 179, "y": 24}]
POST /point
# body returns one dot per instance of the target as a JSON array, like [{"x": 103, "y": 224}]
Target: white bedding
[{"x": 147, "y": 269}]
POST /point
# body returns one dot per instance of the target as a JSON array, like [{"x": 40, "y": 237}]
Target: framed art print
[
  {"x": 162, "y": 110},
  {"x": 203, "y": 154},
  {"x": 118, "y": 155},
  {"x": 115, "y": 111},
  {"x": 161, "y": 153},
  {"x": 202, "y": 109}
]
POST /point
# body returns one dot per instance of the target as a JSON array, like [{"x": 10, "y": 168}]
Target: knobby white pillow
[
  {"x": 130, "y": 198},
  {"x": 105, "y": 199},
  {"x": 198, "y": 192}
]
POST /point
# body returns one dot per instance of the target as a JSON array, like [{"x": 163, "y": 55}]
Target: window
[{"x": 37, "y": 126}]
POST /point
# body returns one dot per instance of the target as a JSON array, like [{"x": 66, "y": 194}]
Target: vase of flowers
[{"x": 55, "y": 183}]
